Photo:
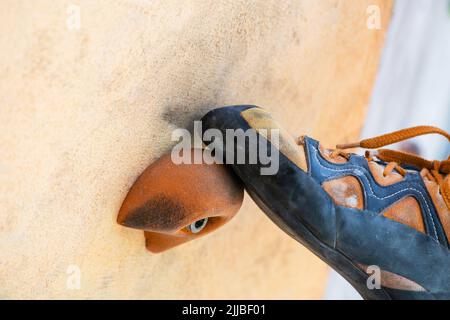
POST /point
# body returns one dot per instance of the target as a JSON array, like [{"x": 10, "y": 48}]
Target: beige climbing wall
[{"x": 84, "y": 110}]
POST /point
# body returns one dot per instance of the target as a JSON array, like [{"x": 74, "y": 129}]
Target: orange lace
[{"x": 437, "y": 171}]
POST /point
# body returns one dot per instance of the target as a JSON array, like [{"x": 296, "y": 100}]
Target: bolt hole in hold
[
  {"x": 198, "y": 225},
  {"x": 177, "y": 203}
]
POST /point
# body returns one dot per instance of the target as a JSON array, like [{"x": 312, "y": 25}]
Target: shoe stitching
[{"x": 371, "y": 190}]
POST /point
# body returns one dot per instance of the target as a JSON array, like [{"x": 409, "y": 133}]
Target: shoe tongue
[
  {"x": 446, "y": 190},
  {"x": 380, "y": 166}
]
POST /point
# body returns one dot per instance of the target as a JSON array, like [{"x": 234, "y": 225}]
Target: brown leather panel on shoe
[
  {"x": 377, "y": 173},
  {"x": 394, "y": 281},
  {"x": 406, "y": 211},
  {"x": 345, "y": 191},
  {"x": 439, "y": 202},
  {"x": 260, "y": 119}
]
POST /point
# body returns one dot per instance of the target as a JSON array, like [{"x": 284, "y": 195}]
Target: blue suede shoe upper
[{"x": 377, "y": 197}]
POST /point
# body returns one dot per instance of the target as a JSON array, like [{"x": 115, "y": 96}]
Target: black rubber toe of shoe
[{"x": 342, "y": 237}]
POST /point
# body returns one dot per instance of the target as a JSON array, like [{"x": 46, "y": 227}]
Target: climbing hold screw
[{"x": 198, "y": 225}]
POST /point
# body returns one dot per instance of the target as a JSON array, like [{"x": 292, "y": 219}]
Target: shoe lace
[{"x": 434, "y": 170}]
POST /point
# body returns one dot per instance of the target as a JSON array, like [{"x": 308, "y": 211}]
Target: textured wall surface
[{"x": 84, "y": 111}]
